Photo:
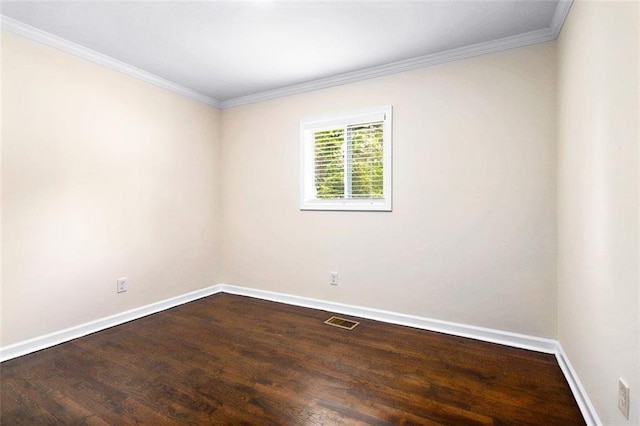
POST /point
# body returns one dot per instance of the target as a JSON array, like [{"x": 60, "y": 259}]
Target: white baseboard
[
  {"x": 582, "y": 399},
  {"x": 48, "y": 340},
  {"x": 479, "y": 333},
  {"x": 463, "y": 330}
]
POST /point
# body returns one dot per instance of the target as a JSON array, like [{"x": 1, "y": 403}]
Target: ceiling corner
[
  {"x": 562, "y": 10},
  {"x": 35, "y": 34}
]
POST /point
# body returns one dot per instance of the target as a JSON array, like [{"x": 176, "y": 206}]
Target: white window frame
[{"x": 308, "y": 197}]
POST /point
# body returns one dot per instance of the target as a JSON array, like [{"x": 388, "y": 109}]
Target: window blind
[{"x": 348, "y": 161}]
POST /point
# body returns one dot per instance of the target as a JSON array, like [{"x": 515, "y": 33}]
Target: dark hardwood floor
[{"x": 231, "y": 360}]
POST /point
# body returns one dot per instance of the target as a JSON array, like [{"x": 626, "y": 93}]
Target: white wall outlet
[
  {"x": 122, "y": 284},
  {"x": 623, "y": 398},
  {"x": 333, "y": 278}
]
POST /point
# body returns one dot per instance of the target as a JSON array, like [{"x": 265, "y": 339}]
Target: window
[{"x": 346, "y": 162}]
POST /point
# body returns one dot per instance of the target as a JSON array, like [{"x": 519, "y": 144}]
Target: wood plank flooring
[{"x": 232, "y": 360}]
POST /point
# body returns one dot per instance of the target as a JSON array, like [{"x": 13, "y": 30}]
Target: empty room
[{"x": 320, "y": 213}]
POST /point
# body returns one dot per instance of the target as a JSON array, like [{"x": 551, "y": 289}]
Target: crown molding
[
  {"x": 60, "y": 43},
  {"x": 562, "y": 10},
  {"x": 506, "y": 43},
  {"x": 533, "y": 37}
]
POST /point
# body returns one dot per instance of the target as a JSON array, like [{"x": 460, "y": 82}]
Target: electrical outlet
[
  {"x": 623, "y": 398},
  {"x": 333, "y": 278},
  {"x": 122, "y": 284}
]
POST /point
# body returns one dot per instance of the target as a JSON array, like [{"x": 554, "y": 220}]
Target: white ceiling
[{"x": 237, "y": 52}]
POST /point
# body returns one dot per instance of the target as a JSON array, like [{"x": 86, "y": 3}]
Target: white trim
[
  {"x": 520, "y": 40},
  {"x": 580, "y": 395},
  {"x": 308, "y": 196},
  {"x": 55, "y": 338},
  {"x": 512, "y": 42},
  {"x": 562, "y": 10},
  {"x": 44, "y": 37},
  {"x": 463, "y": 330},
  {"x": 507, "y": 338},
  {"x": 456, "y": 329}
]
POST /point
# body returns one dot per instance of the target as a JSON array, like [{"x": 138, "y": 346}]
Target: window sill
[{"x": 347, "y": 205}]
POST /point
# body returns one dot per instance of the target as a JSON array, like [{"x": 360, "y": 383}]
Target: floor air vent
[{"x": 342, "y": 323}]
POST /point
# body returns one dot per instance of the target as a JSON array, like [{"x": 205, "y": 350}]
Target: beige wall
[
  {"x": 598, "y": 323},
  {"x": 103, "y": 176},
  {"x": 1, "y": 126},
  {"x": 472, "y": 234}
]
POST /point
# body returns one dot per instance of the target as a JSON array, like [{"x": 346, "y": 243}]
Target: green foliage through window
[{"x": 348, "y": 161}]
